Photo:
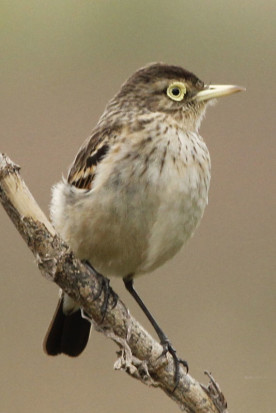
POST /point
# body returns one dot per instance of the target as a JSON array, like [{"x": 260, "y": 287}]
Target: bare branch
[{"x": 140, "y": 354}]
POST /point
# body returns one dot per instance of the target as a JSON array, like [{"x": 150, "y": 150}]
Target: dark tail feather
[{"x": 67, "y": 334}]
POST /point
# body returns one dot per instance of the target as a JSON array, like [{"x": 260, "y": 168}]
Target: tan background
[{"x": 60, "y": 62}]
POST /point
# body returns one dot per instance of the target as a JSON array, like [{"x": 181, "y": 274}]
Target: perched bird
[{"x": 137, "y": 188}]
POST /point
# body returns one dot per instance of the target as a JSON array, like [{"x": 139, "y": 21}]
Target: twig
[{"x": 139, "y": 353}]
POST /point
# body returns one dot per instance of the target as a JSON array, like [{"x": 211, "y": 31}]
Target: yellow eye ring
[{"x": 176, "y": 91}]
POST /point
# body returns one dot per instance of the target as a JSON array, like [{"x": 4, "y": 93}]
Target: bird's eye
[{"x": 176, "y": 91}]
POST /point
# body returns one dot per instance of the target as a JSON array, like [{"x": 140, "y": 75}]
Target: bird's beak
[{"x": 216, "y": 91}]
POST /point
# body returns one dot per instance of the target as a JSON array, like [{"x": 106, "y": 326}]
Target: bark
[{"x": 139, "y": 354}]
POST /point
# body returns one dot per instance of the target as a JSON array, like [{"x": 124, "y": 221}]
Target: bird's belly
[
  {"x": 126, "y": 229},
  {"x": 176, "y": 219},
  {"x": 142, "y": 207}
]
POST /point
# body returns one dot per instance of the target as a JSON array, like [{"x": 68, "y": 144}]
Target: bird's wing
[{"x": 82, "y": 172}]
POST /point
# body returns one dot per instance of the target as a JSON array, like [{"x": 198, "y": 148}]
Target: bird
[{"x": 136, "y": 190}]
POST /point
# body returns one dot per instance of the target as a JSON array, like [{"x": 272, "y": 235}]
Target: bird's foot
[
  {"x": 108, "y": 293},
  {"x": 168, "y": 348},
  {"x": 104, "y": 288}
]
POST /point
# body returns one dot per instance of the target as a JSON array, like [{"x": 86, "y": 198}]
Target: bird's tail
[{"x": 67, "y": 334}]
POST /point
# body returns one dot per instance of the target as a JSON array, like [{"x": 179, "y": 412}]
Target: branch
[{"x": 139, "y": 355}]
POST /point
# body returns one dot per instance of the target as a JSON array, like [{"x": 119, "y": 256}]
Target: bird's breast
[
  {"x": 147, "y": 199},
  {"x": 179, "y": 177}
]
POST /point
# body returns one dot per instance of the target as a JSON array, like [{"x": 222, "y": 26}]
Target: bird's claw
[
  {"x": 107, "y": 292},
  {"x": 104, "y": 288},
  {"x": 168, "y": 348}
]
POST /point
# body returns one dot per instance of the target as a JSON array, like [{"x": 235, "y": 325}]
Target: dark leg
[
  {"x": 104, "y": 288},
  {"x": 163, "y": 338}
]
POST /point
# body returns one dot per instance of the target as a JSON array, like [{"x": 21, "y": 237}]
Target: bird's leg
[
  {"x": 104, "y": 288},
  {"x": 164, "y": 341}
]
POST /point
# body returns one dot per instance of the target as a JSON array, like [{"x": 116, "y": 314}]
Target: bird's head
[{"x": 168, "y": 89}]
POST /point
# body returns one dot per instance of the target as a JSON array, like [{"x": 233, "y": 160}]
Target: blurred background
[{"x": 61, "y": 62}]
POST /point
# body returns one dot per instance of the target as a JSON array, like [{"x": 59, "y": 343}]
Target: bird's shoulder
[{"x": 92, "y": 152}]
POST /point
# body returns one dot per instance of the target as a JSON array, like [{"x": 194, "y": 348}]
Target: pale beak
[{"x": 216, "y": 91}]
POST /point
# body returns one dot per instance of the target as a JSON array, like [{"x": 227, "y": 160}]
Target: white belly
[{"x": 133, "y": 219}]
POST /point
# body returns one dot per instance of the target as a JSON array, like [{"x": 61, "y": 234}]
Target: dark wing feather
[{"x": 83, "y": 170}]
